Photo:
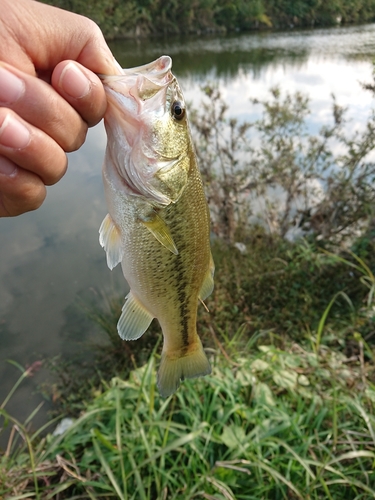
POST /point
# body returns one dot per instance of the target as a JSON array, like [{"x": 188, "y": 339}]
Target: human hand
[{"x": 49, "y": 96}]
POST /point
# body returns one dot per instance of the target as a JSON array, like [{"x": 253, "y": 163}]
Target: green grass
[
  {"x": 280, "y": 422},
  {"x": 286, "y": 288}
]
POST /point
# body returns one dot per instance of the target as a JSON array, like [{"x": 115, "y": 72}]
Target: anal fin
[
  {"x": 134, "y": 319},
  {"x": 110, "y": 240},
  {"x": 160, "y": 230}
]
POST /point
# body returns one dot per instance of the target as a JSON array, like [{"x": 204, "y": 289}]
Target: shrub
[{"x": 274, "y": 173}]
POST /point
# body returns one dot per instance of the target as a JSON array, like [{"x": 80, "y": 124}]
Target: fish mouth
[
  {"x": 156, "y": 69},
  {"x": 140, "y": 83},
  {"x": 136, "y": 93}
]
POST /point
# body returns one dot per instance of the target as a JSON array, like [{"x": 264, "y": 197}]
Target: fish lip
[
  {"x": 135, "y": 85},
  {"x": 163, "y": 62}
]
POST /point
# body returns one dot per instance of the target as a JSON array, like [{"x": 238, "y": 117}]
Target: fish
[{"x": 158, "y": 222}]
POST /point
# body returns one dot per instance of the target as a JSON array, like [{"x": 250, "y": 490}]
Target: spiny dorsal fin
[
  {"x": 110, "y": 240},
  {"x": 134, "y": 320},
  {"x": 160, "y": 230},
  {"x": 208, "y": 283}
]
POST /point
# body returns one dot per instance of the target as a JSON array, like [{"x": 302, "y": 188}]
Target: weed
[{"x": 284, "y": 422}]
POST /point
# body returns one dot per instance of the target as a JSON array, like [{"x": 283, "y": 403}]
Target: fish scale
[{"x": 158, "y": 223}]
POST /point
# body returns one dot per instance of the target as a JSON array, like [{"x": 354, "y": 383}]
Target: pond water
[{"x": 51, "y": 258}]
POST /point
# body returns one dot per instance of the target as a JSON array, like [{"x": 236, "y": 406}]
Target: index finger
[{"x": 82, "y": 89}]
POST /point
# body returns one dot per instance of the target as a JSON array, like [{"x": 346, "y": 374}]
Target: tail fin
[{"x": 173, "y": 369}]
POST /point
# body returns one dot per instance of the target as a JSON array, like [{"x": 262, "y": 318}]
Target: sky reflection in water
[{"x": 52, "y": 256}]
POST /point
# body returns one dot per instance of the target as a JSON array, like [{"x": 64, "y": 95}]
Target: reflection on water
[
  {"x": 320, "y": 63},
  {"x": 51, "y": 257},
  {"x": 255, "y": 53}
]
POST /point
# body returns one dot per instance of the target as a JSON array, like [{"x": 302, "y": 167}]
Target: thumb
[{"x": 47, "y": 35}]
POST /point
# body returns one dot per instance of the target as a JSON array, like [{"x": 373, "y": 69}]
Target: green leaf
[
  {"x": 233, "y": 436},
  {"x": 285, "y": 378},
  {"x": 259, "y": 365},
  {"x": 263, "y": 394}
]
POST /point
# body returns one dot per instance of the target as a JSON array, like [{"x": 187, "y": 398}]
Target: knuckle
[
  {"x": 92, "y": 28},
  {"x": 29, "y": 197},
  {"x": 55, "y": 167},
  {"x": 91, "y": 31},
  {"x": 77, "y": 140},
  {"x": 32, "y": 196},
  {"x": 4, "y": 211},
  {"x": 64, "y": 125}
]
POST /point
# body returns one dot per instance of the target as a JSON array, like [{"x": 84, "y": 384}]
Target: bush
[{"x": 274, "y": 173}]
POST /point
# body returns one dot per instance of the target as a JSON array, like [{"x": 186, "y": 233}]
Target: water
[{"x": 51, "y": 258}]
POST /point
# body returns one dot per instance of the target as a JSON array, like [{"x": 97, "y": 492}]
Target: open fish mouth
[
  {"x": 140, "y": 83},
  {"x": 137, "y": 94},
  {"x": 155, "y": 68}
]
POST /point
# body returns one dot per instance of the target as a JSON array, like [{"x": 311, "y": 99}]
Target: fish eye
[{"x": 178, "y": 110}]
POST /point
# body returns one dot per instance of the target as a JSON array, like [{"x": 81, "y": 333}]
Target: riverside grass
[{"x": 283, "y": 421}]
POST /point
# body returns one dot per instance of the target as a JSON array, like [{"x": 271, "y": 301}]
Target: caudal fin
[{"x": 173, "y": 368}]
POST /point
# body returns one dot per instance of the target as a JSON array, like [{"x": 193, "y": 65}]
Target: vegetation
[
  {"x": 289, "y": 181},
  {"x": 149, "y": 17}
]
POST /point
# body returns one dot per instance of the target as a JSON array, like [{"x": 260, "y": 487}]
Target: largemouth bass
[{"x": 158, "y": 223}]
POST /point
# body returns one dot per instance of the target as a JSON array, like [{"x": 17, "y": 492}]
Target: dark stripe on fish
[{"x": 181, "y": 293}]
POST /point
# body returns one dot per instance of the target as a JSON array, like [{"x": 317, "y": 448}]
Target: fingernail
[
  {"x": 14, "y": 134},
  {"x": 7, "y": 167},
  {"x": 74, "y": 82},
  {"x": 11, "y": 87}
]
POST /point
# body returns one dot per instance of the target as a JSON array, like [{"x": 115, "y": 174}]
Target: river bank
[{"x": 57, "y": 246}]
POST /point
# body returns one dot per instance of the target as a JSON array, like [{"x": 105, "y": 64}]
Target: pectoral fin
[
  {"x": 160, "y": 230},
  {"x": 208, "y": 283},
  {"x": 134, "y": 320},
  {"x": 110, "y": 240}
]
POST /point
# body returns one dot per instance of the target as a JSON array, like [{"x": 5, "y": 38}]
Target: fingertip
[
  {"x": 7, "y": 167},
  {"x": 73, "y": 82},
  {"x": 20, "y": 193},
  {"x": 82, "y": 89}
]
